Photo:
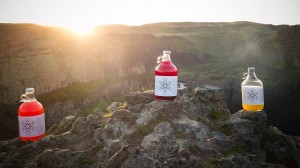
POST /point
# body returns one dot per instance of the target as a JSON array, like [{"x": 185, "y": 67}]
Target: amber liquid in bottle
[{"x": 252, "y": 92}]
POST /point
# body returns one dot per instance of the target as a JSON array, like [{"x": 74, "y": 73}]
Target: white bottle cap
[
  {"x": 29, "y": 90},
  {"x": 166, "y": 52}
]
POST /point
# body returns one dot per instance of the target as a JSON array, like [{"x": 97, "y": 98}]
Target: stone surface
[
  {"x": 237, "y": 162},
  {"x": 192, "y": 85},
  {"x": 259, "y": 119},
  {"x": 280, "y": 148},
  {"x": 205, "y": 102},
  {"x": 59, "y": 110},
  {"x": 243, "y": 135},
  {"x": 140, "y": 97},
  {"x": 63, "y": 126},
  {"x": 193, "y": 131},
  {"x": 159, "y": 111},
  {"x": 136, "y": 108},
  {"x": 191, "y": 128},
  {"x": 113, "y": 106},
  {"x": 121, "y": 123}
]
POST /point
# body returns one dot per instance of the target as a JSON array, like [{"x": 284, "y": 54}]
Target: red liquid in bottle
[
  {"x": 28, "y": 110},
  {"x": 166, "y": 68}
]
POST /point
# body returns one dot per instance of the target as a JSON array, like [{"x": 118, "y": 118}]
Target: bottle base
[
  {"x": 35, "y": 138},
  {"x": 251, "y": 107},
  {"x": 165, "y": 98}
]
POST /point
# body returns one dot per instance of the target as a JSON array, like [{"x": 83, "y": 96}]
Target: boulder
[
  {"x": 136, "y": 108},
  {"x": 191, "y": 128},
  {"x": 113, "y": 107},
  {"x": 258, "y": 119},
  {"x": 243, "y": 135},
  {"x": 158, "y": 111},
  {"x": 63, "y": 126},
  {"x": 279, "y": 148},
  {"x": 140, "y": 97}
]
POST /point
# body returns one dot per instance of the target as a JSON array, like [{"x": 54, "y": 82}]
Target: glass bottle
[
  {"x": 252, "y": 92},
  {"x": 31, "y": 117},
  {"x": 166, "y": 78}
]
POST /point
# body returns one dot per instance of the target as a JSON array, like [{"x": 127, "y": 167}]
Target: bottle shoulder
[
  {"x": 166, "y": 66},
  {"x": 30, "y": 108},
  {"x": 252, "y": 82}
]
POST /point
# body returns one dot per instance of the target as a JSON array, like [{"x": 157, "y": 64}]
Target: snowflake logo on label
[
  {"x": 165, "y": 85},
  {"x": 28, "y": 126},
  {"x": 252, "y": 95}
]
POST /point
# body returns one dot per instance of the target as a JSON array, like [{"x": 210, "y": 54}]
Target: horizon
[
  {"x": 91, "y": 31},
  {"x": 82, "y": 16}
]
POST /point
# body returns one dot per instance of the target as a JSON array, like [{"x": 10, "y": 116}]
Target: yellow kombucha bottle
[{"x": 252, "y": 92}]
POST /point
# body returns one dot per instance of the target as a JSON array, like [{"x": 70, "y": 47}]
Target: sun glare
[{"x": 81, "y": 30}]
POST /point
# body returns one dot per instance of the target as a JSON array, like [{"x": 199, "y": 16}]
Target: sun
[{"x": 81, "y": 30}]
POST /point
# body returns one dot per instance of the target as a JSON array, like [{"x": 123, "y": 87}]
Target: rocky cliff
[
  {"x": 48, "y": 58},
  {"x": 196, "y": 130}
]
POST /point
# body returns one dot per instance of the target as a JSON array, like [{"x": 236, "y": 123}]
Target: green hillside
[{"x": 223, "y": 50}]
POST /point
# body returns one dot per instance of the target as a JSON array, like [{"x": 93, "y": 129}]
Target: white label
[
  {"x": 253, "y": 95},
  {"x": 30, "y": 126},
  {"x": 166, "y": 85}
]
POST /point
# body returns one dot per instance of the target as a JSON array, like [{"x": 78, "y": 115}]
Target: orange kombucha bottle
[{"x": 31, "y": 117}]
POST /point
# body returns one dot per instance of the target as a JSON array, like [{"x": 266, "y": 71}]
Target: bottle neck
[
  {"x": 166, "y": 57},
  {"x": 251, "y": 74},
  {"x": 30, "y": 96}
]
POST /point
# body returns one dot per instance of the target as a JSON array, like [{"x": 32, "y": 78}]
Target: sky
[{"x": 82, "y": 15}]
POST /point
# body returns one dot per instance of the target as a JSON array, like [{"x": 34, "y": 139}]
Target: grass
[
  {"x": 79, "y": 91},
  {"x": 102, "y": 105},
  {"x": 73, "y": 92}
]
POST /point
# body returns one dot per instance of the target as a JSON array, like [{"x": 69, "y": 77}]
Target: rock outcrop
[{"x": 196, "y": 130}]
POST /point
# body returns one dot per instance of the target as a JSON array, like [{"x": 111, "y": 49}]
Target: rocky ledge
[{"x": 196, "y": 130}]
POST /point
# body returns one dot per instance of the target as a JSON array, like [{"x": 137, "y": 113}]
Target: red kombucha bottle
[
  {"x": 31, "y": 117},
  {"x": 166, "y": 77}
]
